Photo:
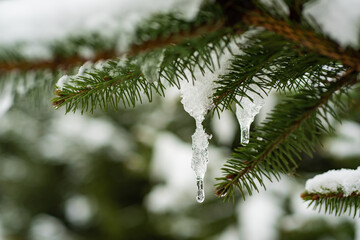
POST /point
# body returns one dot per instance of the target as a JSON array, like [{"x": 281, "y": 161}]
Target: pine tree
[{"x": 276, "y": 50}]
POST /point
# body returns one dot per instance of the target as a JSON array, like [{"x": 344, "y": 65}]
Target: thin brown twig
[
  {"x": 292, "y": 32},
  {"x": 66, "y": 63}
]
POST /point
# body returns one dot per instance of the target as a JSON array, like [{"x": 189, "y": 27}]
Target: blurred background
[{"x": 126, "y": 174}]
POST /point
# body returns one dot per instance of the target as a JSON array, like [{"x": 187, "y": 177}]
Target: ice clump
[
  {"x": 67, "y": 79},
  {"x": 248, "y": 110},
  {"x": 150, "y": 65},
  {"x": 345, "y": 180},
  {"x": 6, "y": 98},
  {"x": 62, "y": 81}
]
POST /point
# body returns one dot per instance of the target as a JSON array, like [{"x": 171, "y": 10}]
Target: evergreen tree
[{"x": 274, "y": 48}]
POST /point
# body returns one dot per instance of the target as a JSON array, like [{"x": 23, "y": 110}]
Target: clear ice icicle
[
  {"x": 200, "y": 158},
  {"x": 248, "y": 110},
  {"x": 197, "y": 99},
  {"x": 200, "y": 197},
  {"x": 245, "y": 132}
]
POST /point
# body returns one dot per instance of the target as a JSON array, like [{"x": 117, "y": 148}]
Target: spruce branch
[
  {"x": 125, "y": 83},
  {"x": 292, "y": 46},
  {"x": 170, "y": 30},
  {"x": 276, "y": 145},
  {"x": 306, "y": 38},
  {"x": 270, "y": 61},
  {"x": 209, "y": 20},
  {"x": 334, "y": 203}
]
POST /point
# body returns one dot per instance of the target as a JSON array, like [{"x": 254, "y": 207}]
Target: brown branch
[
  {"x": 305, "y": 38},
  {"x": 308, "y": 39},
  {"x": 66, "y": 63},
  {"x": 57, "y": 63},
  {"x": 346, "y": 79}
]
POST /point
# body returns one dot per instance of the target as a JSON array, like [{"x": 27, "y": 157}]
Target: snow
[
  {"x": 62, "y": 81},
  {"x": 231, "y": 232},
  {"x": 357, "y": 229},
  {"x": 6, "y": 98},
  {"x": 261, "y": 212},
  {"x": 39, "y": 22},
  {"x": 344, "y": 181},
  {"x": 78, "y": 210},
  {"x": 340, "y": 19},
  {"x": 66, "y": 80},
  {"x": 224, "y": 127},
  {"x": 248, "y": 110},
  {"x": 347, "y": 142},
  {"x": 85, "y": 132},
  {"x": 264, "y": 211},
  {"x": 46, "y": 227},
  {"x": 169, "y": 164}
]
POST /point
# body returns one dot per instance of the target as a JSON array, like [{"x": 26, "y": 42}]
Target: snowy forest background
[{"x": 126, "y": 174}]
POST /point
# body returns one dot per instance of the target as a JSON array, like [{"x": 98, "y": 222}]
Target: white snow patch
[
  {"x": 340, "y": 19},
  {"x": 347, "y": 142},
  {"x": 62, "y": 81},
  {"x": 169, "y": 164},
  {"x": 6, "y": 98},
  {"x": 36, "y": 22},
  {"x": 270, "y": 103},
  {"x": 46, "y": 227},
  {"x": 91, "y": 133},
  {"x": 263, "y": 211},
  {"x": 346, "y": 181},
  {"x": 66, "y": 80},
  {"x": 78, "y": 210},
  {"x": 231, "y": 232},
  {"x": 224, "y": 127}
]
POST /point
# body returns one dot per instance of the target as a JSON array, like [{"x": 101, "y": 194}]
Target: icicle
[
  {"x": 200, "y": 197},
  {"x": 196, "y": 99},
  {"x": 200, "y": 158},
  {"x": 248, "y": 110}
]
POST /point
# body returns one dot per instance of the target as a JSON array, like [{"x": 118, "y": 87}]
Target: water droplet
[
  {"x": 200, "y": 190},
  {"x": 224, "y": 194}
]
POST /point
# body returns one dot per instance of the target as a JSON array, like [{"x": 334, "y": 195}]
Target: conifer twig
[
  {"x": 308, "y": 39},
  {"x": 66, "y": 63},
  {"x": 347, "y": 78},
  {"x": 336, "y": 203}
]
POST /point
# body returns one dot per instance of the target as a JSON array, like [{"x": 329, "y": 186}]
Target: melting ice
[
  {"x": 196, "y": 99},
  {"x": 248, "y": 110},
  {"x": 150, "y": 65}
]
